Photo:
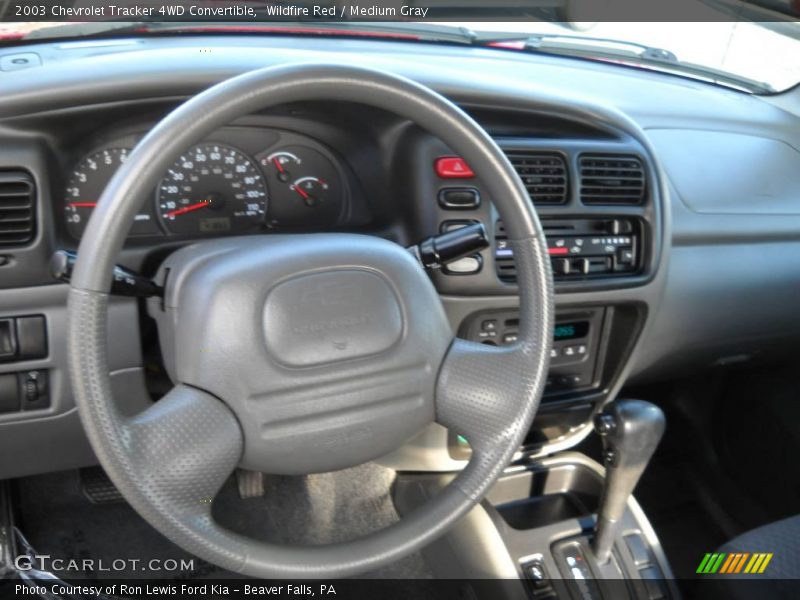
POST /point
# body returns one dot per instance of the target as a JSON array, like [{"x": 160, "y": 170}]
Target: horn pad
[
  {"x": 326, "y": 347},
  {"x": 334, "y": 315}
]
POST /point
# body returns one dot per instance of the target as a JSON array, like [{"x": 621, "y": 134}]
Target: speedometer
[{"x": 212, "y": 188}]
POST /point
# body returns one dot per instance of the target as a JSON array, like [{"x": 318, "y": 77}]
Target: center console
[{"x": 536, "y": 526}]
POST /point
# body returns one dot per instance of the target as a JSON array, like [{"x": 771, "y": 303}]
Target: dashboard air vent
[
  {"x": 611, "y": 179},
  {"x": 544, "y": 175},
  {"x": 17, "y": 200}
]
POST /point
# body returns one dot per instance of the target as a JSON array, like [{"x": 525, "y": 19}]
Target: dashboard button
[
  {"x": 31, "y": 337},
  {"x": 618, "y": 226},
  {"x": 33, "y": 389},
  {"x": 453, "y": 167},
  {"x": 8, "y": 339},
  {"x": 9, "y": 394},
  {"x": 463, "y": 266},
  {"x": 562, "y": 266},
  {"x": 570, "y": 381},
  {"x": 459, "y": 198},
  {"x": 625, "y": 256},
  {"x": 582, "y": 265},
  {"x": 489, "y": 325},
  {"x": 452, "y": 225}
]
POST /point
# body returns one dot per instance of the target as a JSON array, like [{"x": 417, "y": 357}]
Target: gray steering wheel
[{"x": 304, "y": 353}]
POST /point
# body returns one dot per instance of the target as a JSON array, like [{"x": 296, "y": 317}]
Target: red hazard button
[{"x": 453, "y": 167}]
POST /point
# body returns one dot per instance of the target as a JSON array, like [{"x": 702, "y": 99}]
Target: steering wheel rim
[{"x": 157, "y": 459}]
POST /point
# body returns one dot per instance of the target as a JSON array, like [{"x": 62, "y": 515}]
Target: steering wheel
[{"x": 304, "y": 353}]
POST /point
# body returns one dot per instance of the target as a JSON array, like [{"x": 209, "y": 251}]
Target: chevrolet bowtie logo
[{"x": 734, "y": 562}]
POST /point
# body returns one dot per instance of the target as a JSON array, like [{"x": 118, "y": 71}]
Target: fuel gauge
[{"x": 282, "y": 164}]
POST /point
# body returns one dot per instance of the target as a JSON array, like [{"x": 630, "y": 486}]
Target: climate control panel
[{"x": 581, "y": 248}]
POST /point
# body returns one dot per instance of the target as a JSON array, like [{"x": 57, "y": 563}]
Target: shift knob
[{"x": 631, "y": 430}]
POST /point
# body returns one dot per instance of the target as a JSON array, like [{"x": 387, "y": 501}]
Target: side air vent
[
  {"x": 544, "y": 175},
  {"x": 17, "y": 200},
  {"x": 611, "y": 179}
]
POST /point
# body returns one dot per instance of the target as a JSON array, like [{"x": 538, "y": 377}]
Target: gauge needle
[
  {"x": 185, "y": 209},
  {"x": 301, "y": 191},
  {"x": 83, "y": 204},
  {"x": 278, "y": 165}
]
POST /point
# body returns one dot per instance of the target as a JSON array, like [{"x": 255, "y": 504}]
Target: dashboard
[{"x": 665, "y": 258}]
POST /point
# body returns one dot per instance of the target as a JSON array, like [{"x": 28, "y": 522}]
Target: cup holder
[{"x": 535, "y": 498}]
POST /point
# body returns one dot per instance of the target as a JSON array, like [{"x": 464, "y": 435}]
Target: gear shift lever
[{"x": 631, "y": 430}]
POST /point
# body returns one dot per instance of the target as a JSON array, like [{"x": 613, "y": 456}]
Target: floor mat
[
  {"x": 759, "y": 439},
  {"x": 320, "y": 509},
  {"x": 57, "y": 519}
]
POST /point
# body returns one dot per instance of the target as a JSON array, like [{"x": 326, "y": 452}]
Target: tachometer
[
  {"x": 212, "y": 188},
  {"x": 87, "y": 183}
]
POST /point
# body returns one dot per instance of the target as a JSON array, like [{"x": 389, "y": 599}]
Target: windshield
[
  {"x": 758, "y": 52},
  {"x": 757, "y": 57}
]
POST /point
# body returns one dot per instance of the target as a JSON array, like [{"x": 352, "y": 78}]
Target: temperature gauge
[{"x": 312, "y": 190}]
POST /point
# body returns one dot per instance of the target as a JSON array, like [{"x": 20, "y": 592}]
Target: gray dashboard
[{"x": 718, "y": 286}]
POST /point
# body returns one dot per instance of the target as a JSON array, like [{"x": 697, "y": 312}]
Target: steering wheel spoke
[
  {"x": 179, "y": 452},
  {"x": 490, "y": 394},
  {"x": 185, "y": 446},
  {"x": 483, "y": 394},
  {"x": 469, "y": 398}
]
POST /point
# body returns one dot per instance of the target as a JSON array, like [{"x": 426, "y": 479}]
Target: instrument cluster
[{"x": 240, "y": 180}]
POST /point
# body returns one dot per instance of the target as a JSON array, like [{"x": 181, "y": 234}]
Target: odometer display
[{"x": 212, "y": 188}]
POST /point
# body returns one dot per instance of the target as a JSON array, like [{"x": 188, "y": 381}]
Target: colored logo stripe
[
  {"x": 732, "y": 558},
  {"x": 741, "y": 562},
  {"x": 734, "y": 563},
  {"x": 758, "y": 563},
  {"x": 711, "y": 563},
  {"x": 703, "y": 564},
  {"x": 729, "y": 563}
]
